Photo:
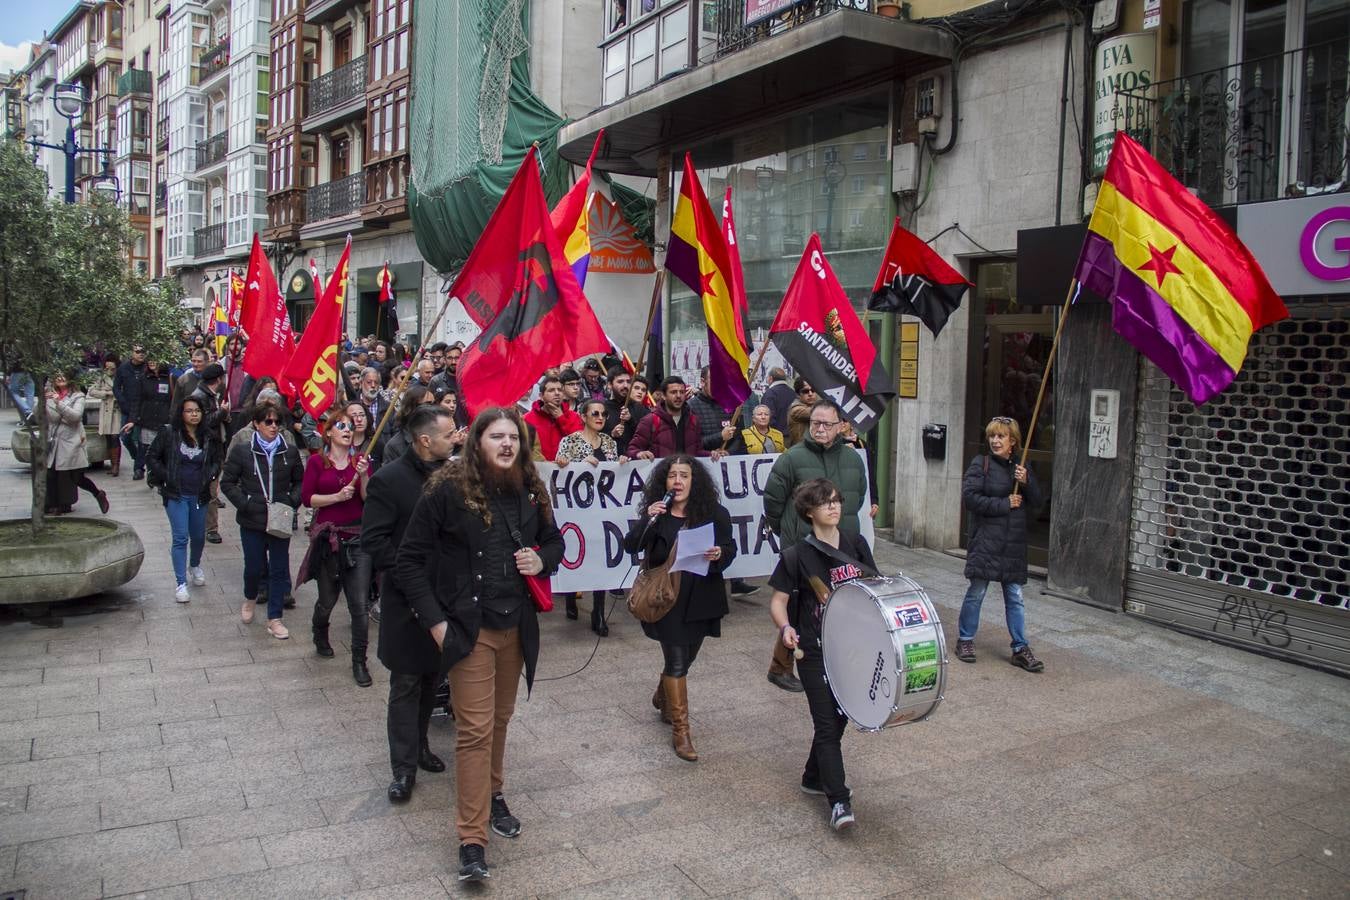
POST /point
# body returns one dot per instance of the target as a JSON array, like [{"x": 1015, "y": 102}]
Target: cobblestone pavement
[{"x": 167, "y": 750}]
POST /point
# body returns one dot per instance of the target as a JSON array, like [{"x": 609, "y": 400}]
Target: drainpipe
[{"x": 1063, "y": 122}]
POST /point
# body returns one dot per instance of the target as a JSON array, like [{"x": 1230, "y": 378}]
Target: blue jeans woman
[{"x": 182, "y": 461}]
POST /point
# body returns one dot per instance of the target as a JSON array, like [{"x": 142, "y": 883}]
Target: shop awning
[{"x": 810, "y": 63}]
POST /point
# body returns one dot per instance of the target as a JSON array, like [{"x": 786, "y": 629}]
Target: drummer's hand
[
  {"x": 789, "y": 637},
  {"x": 1014, "y": 501},
  {"x": 1020, "y": 474}
]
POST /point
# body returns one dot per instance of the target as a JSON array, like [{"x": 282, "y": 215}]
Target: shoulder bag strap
[
  {"x": 839, "y": 555},
  {"x": 267, "y": 495}
]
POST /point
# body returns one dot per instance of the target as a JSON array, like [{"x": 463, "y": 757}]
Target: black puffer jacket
[
  {"x": 998, "y": 538},
  {"x": 239, "y": 481}
]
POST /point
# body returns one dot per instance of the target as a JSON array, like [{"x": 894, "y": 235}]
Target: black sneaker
[
  {"x": 472, "y": 863},
  {"x": 813, "y": 788},
  {"x": 965, "y": 651},
  {"x": 841, "y": 817},
  {"x": 213, "y": 537},
  {"x": 503, "y": 822},
  {"x": 1025, "y": 659},
  {"x": 742, "y": 588},
  {"x": 375, "y": 613},
  {"x": 787, "y": 681}
]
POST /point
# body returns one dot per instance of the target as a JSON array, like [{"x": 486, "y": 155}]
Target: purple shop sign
[
  {"x": 762, "y": 9},
  {"x": 1302, "y": 244},
  {"x": 1340, "y": 245}
]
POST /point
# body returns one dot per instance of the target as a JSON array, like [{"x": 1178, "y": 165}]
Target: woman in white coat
[{"x": 67, "y": 460}]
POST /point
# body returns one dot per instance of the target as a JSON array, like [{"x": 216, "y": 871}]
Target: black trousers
[
  {"x": 679, "y": 657},
  {"x": 354, "y": 583},
  {"x": 825, "y": 765},
  {"x": 411, "y": 700}
]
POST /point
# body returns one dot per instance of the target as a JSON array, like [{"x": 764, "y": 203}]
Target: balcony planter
[
  {"x": 72, "y": 558},
  {"x": 890, "y": 10}
]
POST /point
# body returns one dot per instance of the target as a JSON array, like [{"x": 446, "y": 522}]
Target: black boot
[
  {"x": 428, "y": 761},
  {"x": 321, "y": 644},
  {"x": 400, "y": 790},
  {"x": 360, "y": 672},
  {"x": 598, "y": 624},
  {"x": 572, "y": 607}
]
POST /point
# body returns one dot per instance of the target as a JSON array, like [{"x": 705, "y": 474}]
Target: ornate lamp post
[{"x": 69, "y": 100}]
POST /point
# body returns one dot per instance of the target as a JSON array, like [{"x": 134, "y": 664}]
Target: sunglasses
[
  {"x": 271, "y": 421},
  {"x": 805, "y": 391},
  {"x": 342, "y": 426},
  {"x": 596, "y": 414}
]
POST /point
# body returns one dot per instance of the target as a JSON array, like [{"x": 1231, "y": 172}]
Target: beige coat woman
[
  {"x": 109, "y": 424},
  {"x": 65, "y": 433}
]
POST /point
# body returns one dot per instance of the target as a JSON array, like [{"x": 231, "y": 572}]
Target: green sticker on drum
[{"x": 921, "y": 666}]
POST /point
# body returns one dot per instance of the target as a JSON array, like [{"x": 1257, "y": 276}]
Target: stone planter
[
  {"x": 21, "y": 443},
  {"x": 77, "y": 557}
]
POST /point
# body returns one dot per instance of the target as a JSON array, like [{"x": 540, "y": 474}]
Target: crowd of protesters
[{"x": 434, "y": 526}]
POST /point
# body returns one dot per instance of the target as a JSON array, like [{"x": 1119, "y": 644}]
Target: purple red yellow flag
[
  {"x": 220, "y": 325},
  {"x": 697, "y": 255},
  {"x": 571, "y": 219},
  {"x": 1185, "y": 291},
  {"x": 236, "y": 299}
]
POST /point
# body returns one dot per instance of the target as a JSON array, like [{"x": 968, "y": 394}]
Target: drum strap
[{"x": 839, "y": 555}]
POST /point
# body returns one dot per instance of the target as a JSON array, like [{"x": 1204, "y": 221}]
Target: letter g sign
[{"x": 1307, "y": 245}]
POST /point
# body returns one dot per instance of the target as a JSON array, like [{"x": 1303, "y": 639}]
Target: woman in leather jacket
[{"x": 182, "y": 462}]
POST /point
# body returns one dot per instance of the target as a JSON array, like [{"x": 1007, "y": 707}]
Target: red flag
[
  {"x": 517, "y": 283},
  {"x": 735, "y": 274},
  {"x": 313, "y": 367},
  {"x": 386, "y": 284},
  {"x": 819, "y": 334},
  {"x": 916, "y": 281},
  {"x": 264, "y": 319}
]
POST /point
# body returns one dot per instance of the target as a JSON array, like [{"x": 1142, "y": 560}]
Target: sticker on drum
[{"x": 885, "y": 655}]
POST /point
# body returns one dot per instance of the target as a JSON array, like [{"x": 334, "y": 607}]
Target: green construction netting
[{"x": 468, "y": 134}]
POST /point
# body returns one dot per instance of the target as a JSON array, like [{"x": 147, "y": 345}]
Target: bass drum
[{"x": 885, "y": 656}]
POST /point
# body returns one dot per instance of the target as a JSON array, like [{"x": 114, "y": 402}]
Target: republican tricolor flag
[
  {"x": 697, "y": 254},
  {"x": 571, "y": 219},
  {"x": 236, "y": 299},
  {"x": 1184, "y": 290}
]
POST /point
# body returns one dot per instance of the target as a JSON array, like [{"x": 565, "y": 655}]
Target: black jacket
[
  {"x": 998, "y": 540},
  {"x": 127, "y": 387},
  {"x": 778, "y": 398},
  {"x": 441, "y": 563},
  {"x": 702, "y": 601},
  {"x": 613, "y": 409},
  {"x": 239, "y": 482},
  {"x": 153, "y": 408},
  {"x": 405, "y": 644},
  {"x": 163, "y": 459}
]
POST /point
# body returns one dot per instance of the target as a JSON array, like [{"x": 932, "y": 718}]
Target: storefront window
[{"x": 789, "y": 179}]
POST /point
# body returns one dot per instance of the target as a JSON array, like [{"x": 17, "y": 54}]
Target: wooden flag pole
[
  {"x": 651, "y": 317},
  {"x": 1069, "y": 299},
  {"x": 736, "y": 415},
  {"x": 406, "y": 374}
]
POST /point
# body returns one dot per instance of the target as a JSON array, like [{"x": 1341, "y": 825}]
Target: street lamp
[{"x": 69, "y": 101}]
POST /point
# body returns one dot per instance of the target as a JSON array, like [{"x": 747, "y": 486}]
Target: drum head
[{"x": 860, "y": 655}]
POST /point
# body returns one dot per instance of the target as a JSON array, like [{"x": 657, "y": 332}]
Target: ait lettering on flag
[
  {"x": 518, "y": 282},
  {"x": 313, "y": 367},
  {"x": 820, "y": 336},
  {"x": 1184, "y": 290},
  {"x": 265, "y": 321},
  {"x": 915, "y": 281}
]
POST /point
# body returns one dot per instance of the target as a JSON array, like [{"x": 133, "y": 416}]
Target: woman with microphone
[
  {"x": 806, "y": 575},
  {"x": 681, "y": 494}
]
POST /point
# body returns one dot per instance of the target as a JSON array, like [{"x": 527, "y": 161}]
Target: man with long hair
[{"x": 483, "y": 525}]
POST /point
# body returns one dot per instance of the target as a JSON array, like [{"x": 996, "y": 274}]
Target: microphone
[
  {"x": 668, "y": 499},
  {"x": 515, "y": 536}
]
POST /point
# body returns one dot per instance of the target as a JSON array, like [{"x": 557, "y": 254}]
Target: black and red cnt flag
[
  {"x": 916, "y": 281},
  {"x": 820, "y": 336}
]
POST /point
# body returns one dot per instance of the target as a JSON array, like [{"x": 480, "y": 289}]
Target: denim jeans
[
  {"x": 132, "y": 441},
  {"x": 23, "y": 392},
  {"x": 187, "y": 521},
  {"x": 261, "y": 549},
  {"x": 1012, "y": 608}
]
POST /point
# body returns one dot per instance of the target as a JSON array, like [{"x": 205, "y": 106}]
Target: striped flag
[
  {"x": 697, "y": 255},
  {"x": 738, "y": 300},
  {"x": 571, "y": 219},
  {"x": 1185, "y": 291}
]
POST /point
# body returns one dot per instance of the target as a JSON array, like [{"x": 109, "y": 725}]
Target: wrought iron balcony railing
[
  {"x": 214, "y": 59},
  {"x": 161, "y": 197},
  {"x": 209, "y": 240},
  {"x": 341, "y": 197},
  {"x": 331, "y": 89},
  {"x": 212, "y": 150},
  {"x": 733, "y": 34},
  {"x": 1259, "y": 130}
]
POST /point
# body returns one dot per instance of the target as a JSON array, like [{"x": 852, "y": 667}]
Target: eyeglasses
[
  {"x": 835, "y": 501},
  {"x": 271, "y": 421},
  {"x": 342, "y": 426},
  {"x": 815, "y": 425},
  {"x": 191, "y": 411}
]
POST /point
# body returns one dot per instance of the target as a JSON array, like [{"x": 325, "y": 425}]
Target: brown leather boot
[
  {"x": 659, "y": 700},
  {"x": 677, "y": 704},
  {"x": 115, "y": 456}
]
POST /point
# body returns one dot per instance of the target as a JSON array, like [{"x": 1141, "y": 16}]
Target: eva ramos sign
[
  {"x": 595, "y": 506},
  {"x": 1303, "y": 245},
  {"x": 1122, "y": 63}
]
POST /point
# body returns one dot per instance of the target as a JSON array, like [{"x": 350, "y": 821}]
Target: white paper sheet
[{"x": 690, "y": 545}]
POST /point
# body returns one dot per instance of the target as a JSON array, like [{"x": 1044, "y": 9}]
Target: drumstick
[{"x": 797, "y": 653}]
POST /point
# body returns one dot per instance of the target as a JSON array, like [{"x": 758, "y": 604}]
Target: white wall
[
  {"x": 998, "y": 179},
  {"x": 564, "y": 54}
]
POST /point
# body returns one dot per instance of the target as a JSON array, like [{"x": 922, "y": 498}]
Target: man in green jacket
[{"x": 820, "y": 454}]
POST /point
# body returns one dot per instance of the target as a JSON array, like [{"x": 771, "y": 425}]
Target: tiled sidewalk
[{"x": 169, "y": 751}]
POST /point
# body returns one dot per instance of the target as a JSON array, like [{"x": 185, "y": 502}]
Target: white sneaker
[
  {"x": 198, "y": 576},
  {"x": 181, "y": 594}
]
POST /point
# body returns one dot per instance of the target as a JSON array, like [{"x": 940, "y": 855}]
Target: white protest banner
[{"x": 595, "y": 506}]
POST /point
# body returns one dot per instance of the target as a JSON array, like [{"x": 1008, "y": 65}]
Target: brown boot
[
  {"x": 115, "y": 456},
  {"x": 677, "y": 704},
  {"x": 659, "y": 700}
]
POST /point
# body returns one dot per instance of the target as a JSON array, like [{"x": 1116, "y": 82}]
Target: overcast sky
[{"x": 23, "y": 21}]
